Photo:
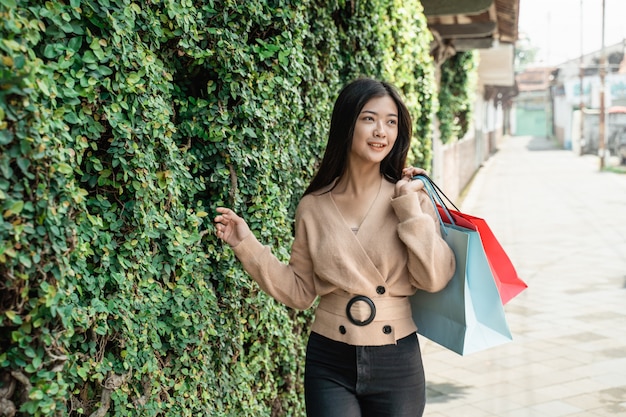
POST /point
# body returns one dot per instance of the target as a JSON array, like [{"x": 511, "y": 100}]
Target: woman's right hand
[
  {"x": 231, "y": 228},
  {"x": 406, "y": 184}
]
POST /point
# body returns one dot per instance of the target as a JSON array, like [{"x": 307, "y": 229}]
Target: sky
[{"x": 554, "y": 27}]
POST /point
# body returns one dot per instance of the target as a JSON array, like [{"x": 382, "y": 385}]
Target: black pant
[{"x": 360, "y": 381}]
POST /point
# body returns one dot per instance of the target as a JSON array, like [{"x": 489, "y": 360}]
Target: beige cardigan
[{"x": 397, "y": 249}]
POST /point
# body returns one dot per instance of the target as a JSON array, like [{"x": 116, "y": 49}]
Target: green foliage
[
  {"x": 525, "y": 54},
  {"x": 457, "y": 85},
  {"x": 122, "y": 127},
  {"x": 406, "y": 39}
]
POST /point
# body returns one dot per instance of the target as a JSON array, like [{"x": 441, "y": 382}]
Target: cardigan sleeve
[
  {"x": 292, "y": 284},
  {"x": 431, "y": 262}
]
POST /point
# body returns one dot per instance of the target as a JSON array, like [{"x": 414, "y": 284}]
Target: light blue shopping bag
[{"x": 467, "y": 316}]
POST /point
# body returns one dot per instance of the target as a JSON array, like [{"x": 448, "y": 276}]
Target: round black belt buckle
[{"x": 367, "y": 301}]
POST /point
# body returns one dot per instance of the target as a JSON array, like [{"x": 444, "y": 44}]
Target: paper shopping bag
[
  {"x": 508, "y": 282},
  {"x": 467, "y": 316}
]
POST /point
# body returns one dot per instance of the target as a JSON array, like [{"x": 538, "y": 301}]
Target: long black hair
[{"x": 347, "y": 108}]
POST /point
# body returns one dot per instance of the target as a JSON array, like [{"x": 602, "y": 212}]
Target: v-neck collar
[{"x": 364, "y": 221}]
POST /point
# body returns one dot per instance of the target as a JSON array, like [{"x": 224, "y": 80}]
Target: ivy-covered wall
[
  {"x": 122, "y": 126},
  {"x": 457, "y": 87}
]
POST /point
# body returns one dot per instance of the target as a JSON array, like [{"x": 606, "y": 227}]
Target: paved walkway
[{"x": 563, "y": 224}]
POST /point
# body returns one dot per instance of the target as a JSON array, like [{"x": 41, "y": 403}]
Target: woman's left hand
[{"x": 406, "y": 185}]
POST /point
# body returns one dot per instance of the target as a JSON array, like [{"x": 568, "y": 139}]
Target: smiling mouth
[{"x": 377, "y": 145}]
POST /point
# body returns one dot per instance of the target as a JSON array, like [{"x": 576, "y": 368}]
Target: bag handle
[
  {"x": 437, "y": 190},
  {"x": 434, "y": 199}
]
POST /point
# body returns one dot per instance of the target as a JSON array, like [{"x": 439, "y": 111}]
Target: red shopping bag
[{"x": 508, "y": 282}]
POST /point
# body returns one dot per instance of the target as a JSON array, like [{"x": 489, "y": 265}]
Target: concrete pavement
[{"x": 563, "y": 224}]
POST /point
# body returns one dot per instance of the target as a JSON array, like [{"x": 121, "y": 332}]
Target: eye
[{"x": 393, "y": 122}]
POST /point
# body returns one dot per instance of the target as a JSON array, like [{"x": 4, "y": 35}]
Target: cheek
[{"x": 361, "y": 131}]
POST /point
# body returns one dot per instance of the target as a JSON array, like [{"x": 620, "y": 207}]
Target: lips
[{"x": 376, "y": 145}]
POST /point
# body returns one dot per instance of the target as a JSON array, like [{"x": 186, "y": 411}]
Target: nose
[{"x": 380, "y": 132}]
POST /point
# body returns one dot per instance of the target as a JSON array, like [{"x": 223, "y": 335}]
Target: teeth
[{"x": 377, "y": 145}]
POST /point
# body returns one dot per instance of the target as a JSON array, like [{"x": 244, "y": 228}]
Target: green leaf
[
  {"x": 64, "y": 168},
  {"x": 89, "y": 57},
  {"x": 25, "y": 260},
  {"x": 8, "y": 3},
  {"x": 51, "y": 51},
  {"x": 43, "y": 86},
  {"x": 71, "y": 118},
  {"x": 76, "y": 42},
  {"x": 13, "y": 316},
  {"x": 35, "y": 394},
  {"x": 15, "y": 208},
  {"x": 6, "y": 137},
  {"x": 133, "y": 78},
  {"x": 36, "y": 362}
]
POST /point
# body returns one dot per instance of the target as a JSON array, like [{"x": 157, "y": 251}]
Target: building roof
[
  {"x": 473, "y": 24},
  {"x": 534, "y": 79}
]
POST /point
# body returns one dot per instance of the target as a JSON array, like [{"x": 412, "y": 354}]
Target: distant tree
[
  {"x": 525, "y": 52},
  {"x": 613, "y": 61}
]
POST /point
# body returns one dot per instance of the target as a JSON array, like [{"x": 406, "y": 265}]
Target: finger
[
  {"x": 225, "y": 214},
  {"x": 224, "y": 211},
  {"x": 409, "y": 172}
]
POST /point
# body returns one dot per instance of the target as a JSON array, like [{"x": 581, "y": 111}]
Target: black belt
[{"x": 367, "y": 301}]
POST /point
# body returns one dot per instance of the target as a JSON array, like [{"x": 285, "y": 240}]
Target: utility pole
[
  {"x": 602, "y": 127},
  {"x": 582, "y": 89}
]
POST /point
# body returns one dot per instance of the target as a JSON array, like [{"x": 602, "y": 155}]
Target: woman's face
[{"x": 375, "y": 131}]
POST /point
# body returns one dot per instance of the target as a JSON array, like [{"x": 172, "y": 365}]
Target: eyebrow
[{"x": 373, "y": 112}]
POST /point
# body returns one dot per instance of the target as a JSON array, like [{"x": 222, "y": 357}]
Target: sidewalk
[{"x": 563, "y": 224}]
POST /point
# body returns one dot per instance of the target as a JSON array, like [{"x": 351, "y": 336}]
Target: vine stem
[{"x": 112, "y": 383}]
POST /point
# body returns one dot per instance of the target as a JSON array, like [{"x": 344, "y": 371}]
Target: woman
[{"x": 366, "y": 238}]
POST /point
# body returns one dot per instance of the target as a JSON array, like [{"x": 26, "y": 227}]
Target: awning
[
  {"x": 472, "y": 24},
  {"x": 496, "y": 66}
]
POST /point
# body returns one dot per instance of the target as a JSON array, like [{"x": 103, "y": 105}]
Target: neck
[{"x": 359, "y": 181}]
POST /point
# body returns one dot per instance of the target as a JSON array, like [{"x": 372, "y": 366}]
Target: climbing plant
[
  {"x": 122, "y": 126},
  {"x": 456, "y": 95}
]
